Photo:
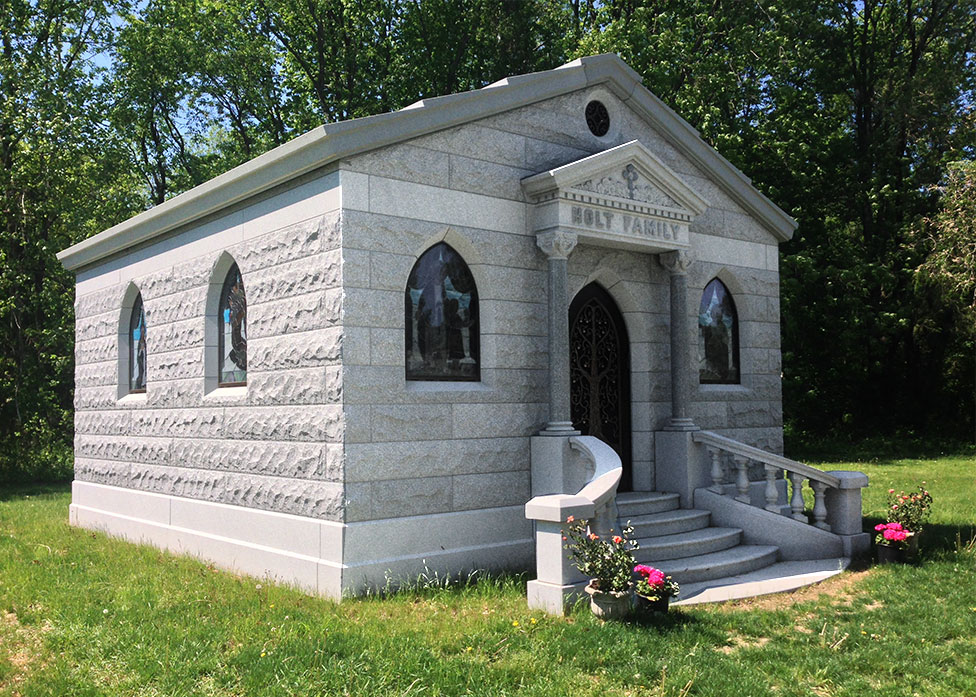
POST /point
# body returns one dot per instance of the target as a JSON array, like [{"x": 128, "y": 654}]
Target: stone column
[
  {"x": 558, "y": 245},
  {"x": 677, "y": 263}
]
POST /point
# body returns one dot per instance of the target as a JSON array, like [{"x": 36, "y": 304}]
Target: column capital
[
  {"x": 677, "y": 262},
  {"x": 557, "y": 244}
]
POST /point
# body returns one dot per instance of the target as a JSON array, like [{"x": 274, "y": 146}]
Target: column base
[
  {"x": 559, "y": 428},
  {"x": 680, "y": 424},
  {"x": 551, "y": 598}
]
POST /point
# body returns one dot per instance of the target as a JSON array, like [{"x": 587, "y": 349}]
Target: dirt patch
[
  {"x": 738, "y": 642},
  {"x": 840, "y": 587},
  {"x": 21, "y": 648}
]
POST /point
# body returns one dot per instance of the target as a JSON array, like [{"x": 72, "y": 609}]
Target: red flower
[
  {"x": 618, "y": 539},
  {"x": 570, "y": 519}
]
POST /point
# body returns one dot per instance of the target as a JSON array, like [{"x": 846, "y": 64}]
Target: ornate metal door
[{"x": 599, "y": 371}]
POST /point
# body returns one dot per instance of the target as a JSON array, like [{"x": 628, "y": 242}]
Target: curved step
[
  {"x": 780, "y": 577},
  {"x": 635, "y": 503},
  {"x": 730, "y": 562},
  {"x": 687, "y": 544},
  {"x": 668, "y": 523}
]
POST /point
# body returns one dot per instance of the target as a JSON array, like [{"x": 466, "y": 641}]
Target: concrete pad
[{"x": 777, "y": 578}]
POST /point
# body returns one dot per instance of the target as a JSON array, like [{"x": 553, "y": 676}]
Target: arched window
[
  {"x": 718, "y": 336},
  {"x": 232, "y": 334},
  {"x": 137, "y": 347},
  {"x": 441, "y": 303}
]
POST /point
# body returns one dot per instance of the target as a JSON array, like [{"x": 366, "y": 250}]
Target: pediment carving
[{"x": 628, "y": 183}]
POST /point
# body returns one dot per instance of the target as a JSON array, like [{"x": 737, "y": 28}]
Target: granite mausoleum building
[{"x": 364, "y": 352}]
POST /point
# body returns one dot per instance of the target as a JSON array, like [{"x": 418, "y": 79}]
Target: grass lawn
[{"x": 82, "y": 614}]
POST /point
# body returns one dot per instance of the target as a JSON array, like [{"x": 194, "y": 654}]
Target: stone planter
[
  {"x": 890, "y": 554},
  {"x": 609, "y": 606},
  {"x": 648, "y": 607}
]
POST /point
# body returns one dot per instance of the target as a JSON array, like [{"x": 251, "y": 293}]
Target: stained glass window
[
  {"x": 137, "y": 347},
  {"x": 441, "y": 302},
  {"x": 233, "y": 330},
  {"x": 718, "y": 336}
]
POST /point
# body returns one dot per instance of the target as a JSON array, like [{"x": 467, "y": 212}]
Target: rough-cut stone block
[
  {"x": 297, "y": 241},
  {"x": 97, "y": 326},
  {"x": 103, "y": 397},
  {"x": 358, "y": 501},
  {"x": 102, "y": 471},
  {"x": 489, "y": 490},
  {"x": 493, "y": 420},
  {"x": 97, "y": 350},
  {"x": 321, "y": 500},
  {"x": 96, "y": 374},
  {"x": 99, "y": 302},
  {"x": 206, "y": 485},
  {"x": 155, "y": 451},
  {"x": 333, "y": 385},
  {"x": 271, "y": 458},
  {"x": 356, "y": 268},
  {"x": 306, "y": 275},
  {"x": 308, "y": 423},
  {"x": 300, "y": 350},
  {"x": 175, "y": 365},
  {"x": 304, "y": 386},
  {"x": 401, "y": 422},
  {"x": 377, "y": 461},
  {"x": 487, "y": 178},
  {"x": 174, "y": 393},
  {"x": 407, "y": 497},
  {"x": 107, "y": 422},
  {"x": 405, "y": 161},
  {"x": 185, "y": 305},
  {"x": 205, "y": 422},
  {"x": 175, "y": 336},
  {"x": 297, "y": 314}
]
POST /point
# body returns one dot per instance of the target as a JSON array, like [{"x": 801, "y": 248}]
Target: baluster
[
  {"x": 742, "y": 478},
  {"x": 718, "y": 474},
  {"x": 819, "y": 507},
  {"x": 796, "y": 501},
  {"x": 772, "y": 494}
]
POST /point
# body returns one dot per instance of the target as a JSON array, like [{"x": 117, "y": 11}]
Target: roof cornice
[{"x": 327, "y": 144}]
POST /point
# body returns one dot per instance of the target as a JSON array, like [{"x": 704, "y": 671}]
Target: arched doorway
[{"x": 599, "y": 372}]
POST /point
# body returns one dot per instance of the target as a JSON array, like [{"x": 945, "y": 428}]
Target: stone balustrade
[{"x": 836, "y": 494}]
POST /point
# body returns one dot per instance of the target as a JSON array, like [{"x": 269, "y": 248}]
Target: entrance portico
[{"x": 623, "y": 198}]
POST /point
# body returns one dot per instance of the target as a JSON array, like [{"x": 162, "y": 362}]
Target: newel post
[
  {"x": 557, "y": 582},
  {"x": 844, "y": 511}
]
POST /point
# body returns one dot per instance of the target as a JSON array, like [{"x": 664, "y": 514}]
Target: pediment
[
  {"x": 622, "y": 197},
  {"x": 624, "y": 176}
]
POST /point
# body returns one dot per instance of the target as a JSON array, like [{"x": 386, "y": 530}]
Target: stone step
[
  {"x": 780, "y": 577},
  {"x": 687, "y": 544},
  {"x": 668, "y": 523},
  {"x": 730, "y": 562},
  {"x": 635, "y": 503}
]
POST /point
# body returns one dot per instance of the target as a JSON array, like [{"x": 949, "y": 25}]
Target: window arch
[
  {"x": 137, "y": 347},
  {"x": 232, "y": 331},
  {"x": 442, "y": 328},
  {"x": 718, "y": 336}
]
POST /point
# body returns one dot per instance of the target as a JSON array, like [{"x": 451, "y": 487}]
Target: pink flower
[
  {"x": 891, "y": 491},
  {"x": 879, "y": 527},
  {"x": 570, "y": 519},
  {"x": 617, "y": 539}
]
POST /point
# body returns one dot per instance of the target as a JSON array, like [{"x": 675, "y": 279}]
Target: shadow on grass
[
  {"x": 875, "y": 450},
  {"x": 936, "y": 538},
  {"x": 671, "y": 621},
  {"x": 20, "y": 491}
]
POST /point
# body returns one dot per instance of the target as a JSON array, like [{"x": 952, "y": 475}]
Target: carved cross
[{"x": 630, "y": 176}]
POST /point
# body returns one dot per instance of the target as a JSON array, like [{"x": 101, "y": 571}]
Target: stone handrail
[
  {"x": 836, "y": 495},
  {"x": 557, "y": 579}
]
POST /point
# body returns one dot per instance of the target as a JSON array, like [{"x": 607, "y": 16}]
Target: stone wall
[
  {"x": 426, "y": 448},
  {"x": 274, "y": 445}
]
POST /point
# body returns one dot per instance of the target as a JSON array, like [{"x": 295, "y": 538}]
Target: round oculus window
[{"x": 597, "y": 118}]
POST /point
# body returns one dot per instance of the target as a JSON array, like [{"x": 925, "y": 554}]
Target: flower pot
[
  {"x": 890, "y": 554},
  {"x": 614, "y": 605},
  {"x": 911, "y": 550},
  {"x": 647, "y": 606}
]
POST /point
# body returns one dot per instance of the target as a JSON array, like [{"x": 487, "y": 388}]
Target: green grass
[{"x": 82, "y": 614}]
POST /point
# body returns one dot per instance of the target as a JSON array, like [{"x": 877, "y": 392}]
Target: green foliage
[
  {"x": 846, "y": 114},
  {"x": 606, "y": 559}
]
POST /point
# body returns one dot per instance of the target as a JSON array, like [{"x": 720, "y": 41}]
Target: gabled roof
[{"x": 332, "y": 142}]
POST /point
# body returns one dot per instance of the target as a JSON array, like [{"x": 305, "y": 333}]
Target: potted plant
[
  {"x": 608, "y": 560},
  {"x": 891, "y": 541},
  {"x": 911, "y": 510},
  {"x": 654, "y": 589}
]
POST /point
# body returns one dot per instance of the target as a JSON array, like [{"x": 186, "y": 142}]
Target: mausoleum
[{"x": 419, "y": 340}]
